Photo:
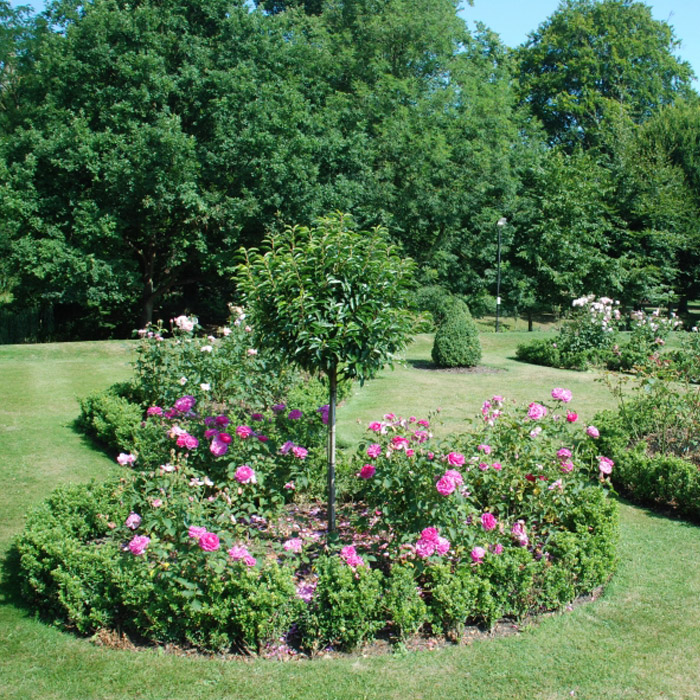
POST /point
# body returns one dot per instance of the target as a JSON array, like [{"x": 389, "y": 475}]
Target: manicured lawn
[{"x": 641, "y": 639}]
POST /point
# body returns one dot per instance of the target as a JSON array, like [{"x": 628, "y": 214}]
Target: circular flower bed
[{"x": 207, "y": 538}]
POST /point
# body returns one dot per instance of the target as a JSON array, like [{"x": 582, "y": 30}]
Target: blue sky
[{"x": 513, "y": 20}]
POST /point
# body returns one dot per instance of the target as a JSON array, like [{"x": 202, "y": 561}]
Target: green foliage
[
  {"x": 347, "y": 606},
  {"x": 457, "y": 339},
  {"x": 591, "y": 59},
  {"x": 541, "y": 351},
  {"x": 330, "y": 297},
  {"x": 402, "y": 600},
  {"x": 111, "y": 416}
]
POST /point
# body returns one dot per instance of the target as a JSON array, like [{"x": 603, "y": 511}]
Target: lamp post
[{"x": 499, "y": 225}]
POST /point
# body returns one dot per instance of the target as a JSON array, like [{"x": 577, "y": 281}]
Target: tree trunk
[
  {"x": 529, "y": 320},
  {"x": 147, "y": 303},
  {"x": 333, "y": 390}
]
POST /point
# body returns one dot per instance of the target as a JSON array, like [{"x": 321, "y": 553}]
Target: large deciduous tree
[{"x": 592, "y": 58}]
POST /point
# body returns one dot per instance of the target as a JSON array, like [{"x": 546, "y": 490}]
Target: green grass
[{"x": 641, "y": 639}]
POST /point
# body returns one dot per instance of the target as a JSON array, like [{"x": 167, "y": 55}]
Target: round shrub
[
  {"x": 456, "y": 342},
  {"x": 541, "y": 351}
]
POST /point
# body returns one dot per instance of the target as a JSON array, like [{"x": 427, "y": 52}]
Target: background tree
[
  {"x": 334, "y": 300},
  {"x": 594, "y": 58}
]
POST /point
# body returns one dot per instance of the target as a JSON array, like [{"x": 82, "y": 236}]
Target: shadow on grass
[
  {"x": 432, "y": 367},
  {"x": 10, "y": 583}
]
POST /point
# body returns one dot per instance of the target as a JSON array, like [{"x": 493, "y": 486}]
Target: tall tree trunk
[
  {"x": 333, "y": 390},
  {"x": 147, "y": 302},
  {"x": 529, "y": 320}
]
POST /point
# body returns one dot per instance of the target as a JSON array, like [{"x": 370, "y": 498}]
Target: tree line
[{"x": 143, "y": 142}]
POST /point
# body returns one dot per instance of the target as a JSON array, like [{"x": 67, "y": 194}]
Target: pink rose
[
  {"x": 455, "y": 459},
  {"x": 374, "y": 450},
  {"x": 430, "y": 534},
  {"x": 196, "y": 532},
  {"x": 244, "y": 431},
  {"x": 497, "y": 466},
  {"x": 567, "y": 467},
  {"x": 133, "y": 521},
  {"x": 563, "y": 395},
  {"x": 367, "y": 471},
  {"x": 245, "y": 474},
  {"x": 209, "y": 542},
  {"x": 300, "y": 452},
  {"x": 445, "y": 486},
  {"x": 478, "y": 554},
  {"x": 185, "y": 404},
  {"x": 425, "y": 548},
  {"x": 497, "y": 548},
  {"x": 571, "y": 416},
  {"x": 605, "y": 465},
  {"x": 486, "y": 449},
  {"x": 563, "y": 453},
  {"x": 488, "y": 522},
  {"x": 535, "y": 411},
  {"x": 238, "y": 552},
  {"x": 442, "y": 546},
  {"x": 154, "y": 411},
  {"x": 375, "y": 426},
  {"x": 125, "y": 459},
  {"x": 138, "y": 545},
  {"x": 351, "y": 557},
  {"x": 592, "y": 431},
  {"x": 455, "y": 476},
  {"x": 398, "y": 442},
  {"x": 218, "y": 447}
]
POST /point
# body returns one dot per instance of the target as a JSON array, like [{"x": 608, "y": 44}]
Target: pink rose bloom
[
  {"x": 250, "y": 560},
  {"x": 497, "y": 466},
  {"x": 209, "y": 542},
  {"x": 294, "y": 545},
  {"x": 185, "y": 404},
  {"x": 133, "y": 520},
  {"x": 497, "y": 399},
  {"x": 455, "y": 476},
  {"x": 286, "y": 447},
  {"x": 196, "y": 532},
  {"x": 138, "y": 545},
  {"x": 563, "y": 395},
  {"x": 421, "y": 436},
  {"x": 520, "y": 534},
  {"x": 445, "y": 486},
  {"x": 375, "y": 426},
  {"x": 535, "y": 411},
  {"x": 299, "y": 452},
  {"x": 398, "y": 442},
  {"x": 154, "y": 411},
  {"x": 245, "y": 474},
  {"x": 497, "y": 548},
  {"x": 295, "y": 414},
  {"x": 592, "y": 431},
  {"x": 534, "y": 433},
  {"x": 430, "y": 455},
  {"x": 442, "y": 546},
  {"x": 488, "y": 522},
  {"x": 424, "y": 423},
  {"x": 478, "y": 554},
  {"x": 567, "y": 467},
  {"x": 374, "y": 450},
  {"x": 571, "y": 416},
  {"x": 410, "y": 452},
  {"x": 125, "y": 459},
  {"x": 430, "y": 534},
  {"x": 218, "y": 447},
  {"x": 455, "y": 459},
  {"x": 483, "y": 466},
  {"x": 425, "y": 548},
  {"x": 290, "y": 486},
  {"x": 486, "y": 449},
  {"x": 563, "y": 453},
  {"x": 189, "y": 442},
  {"x": 351, "y": 557},
  {"x": 222, "y": 421},
  {"x": 156, "y": 502},
  {"x": 238, "y": 552},
  {"x": 225, "y": 438},
  {"x": 367, "y": 471},
  {"x": 606, "y": 465},
  {"x": 244, "y": 431}
]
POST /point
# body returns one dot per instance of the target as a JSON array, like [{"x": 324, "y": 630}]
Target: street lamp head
[{"x": 502, "y": 221}]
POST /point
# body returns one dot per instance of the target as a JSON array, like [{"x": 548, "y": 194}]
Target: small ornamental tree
[{"x": 332, "y": 298}]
